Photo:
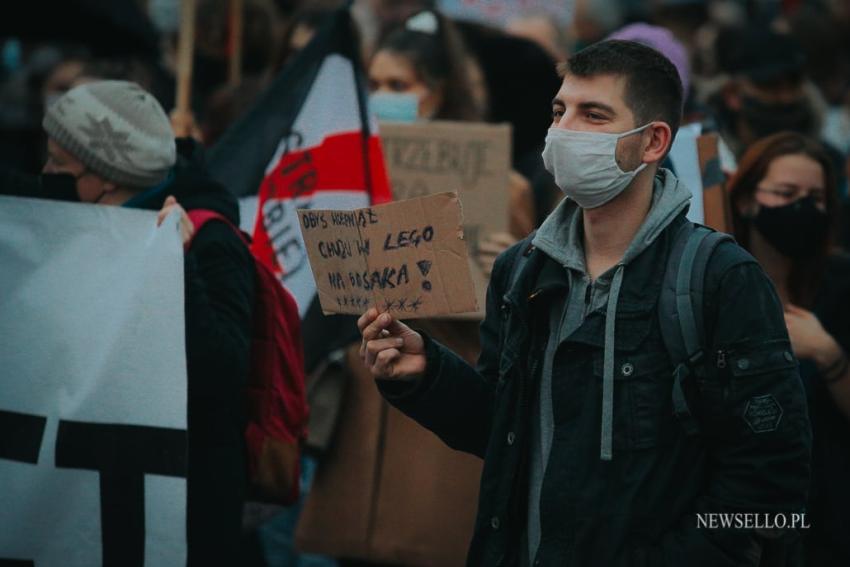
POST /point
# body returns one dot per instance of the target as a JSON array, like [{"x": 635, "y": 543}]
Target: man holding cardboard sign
[{"x": 601, "y": 444}]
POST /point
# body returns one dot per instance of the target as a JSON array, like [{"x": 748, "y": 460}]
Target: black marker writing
[
  {"x": 406, "y": 238},
  {"x": 387, "y": 278}
]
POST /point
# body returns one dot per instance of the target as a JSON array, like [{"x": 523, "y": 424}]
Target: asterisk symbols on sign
[
  {"x": 104, "y": 138},
  {"x": 402, "y": 305}
]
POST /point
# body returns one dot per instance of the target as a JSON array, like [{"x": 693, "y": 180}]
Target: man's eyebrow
[
  {"x": 593, "y": 105},
  {"x": 590, "y": 105}
]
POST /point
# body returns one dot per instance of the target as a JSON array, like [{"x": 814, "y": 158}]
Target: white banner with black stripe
[{"x": 92, "y": 387}]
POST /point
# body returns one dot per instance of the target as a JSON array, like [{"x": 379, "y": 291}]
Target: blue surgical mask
[{"x": 394, "y": 107}]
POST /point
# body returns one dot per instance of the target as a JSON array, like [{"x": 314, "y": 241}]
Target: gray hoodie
[{"x": 561, "y": 237}]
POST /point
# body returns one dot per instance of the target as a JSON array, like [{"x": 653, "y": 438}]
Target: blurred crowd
[
  {"x": 770, "y": 77},
  {"x": 749, "y": 69}
]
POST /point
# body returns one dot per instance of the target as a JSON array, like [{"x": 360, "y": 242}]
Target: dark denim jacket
[{"x": 751, "y": 455}]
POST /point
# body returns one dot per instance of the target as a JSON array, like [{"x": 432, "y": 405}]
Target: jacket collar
[{"x": 641, "y": 288}]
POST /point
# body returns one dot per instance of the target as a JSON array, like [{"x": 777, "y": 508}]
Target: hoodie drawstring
[{"x": 605, "y": 451}]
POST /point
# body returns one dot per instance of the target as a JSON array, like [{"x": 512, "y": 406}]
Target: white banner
[{"x": 92, "y": 386}]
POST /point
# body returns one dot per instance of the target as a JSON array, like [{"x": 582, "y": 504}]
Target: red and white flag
[{"x": 309, "y": 142}]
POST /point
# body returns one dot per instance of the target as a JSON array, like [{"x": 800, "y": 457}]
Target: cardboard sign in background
[
  {"x": 715, "y": 200},
  {"x": 406, "y": 257},
  {"x": 474, "y": 159}
]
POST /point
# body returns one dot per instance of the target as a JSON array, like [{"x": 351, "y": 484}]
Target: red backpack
[{"x": 275, "y": 396}]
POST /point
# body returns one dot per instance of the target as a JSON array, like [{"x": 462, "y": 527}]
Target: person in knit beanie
[
  {"x": 111, "y": 143},
  {"x": 113, "y": 137}
]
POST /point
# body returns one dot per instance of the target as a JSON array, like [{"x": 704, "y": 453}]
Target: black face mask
[
  {"x": 61, "y": 186},
  {"x": 796, "y": 230},
  {"x": 766, "y": 119}
]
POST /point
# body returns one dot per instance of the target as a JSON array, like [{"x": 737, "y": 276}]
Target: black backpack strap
[
  {"x": 681, "y": 310},
  {"x": 668, "y": 313},
  {"x": 697, "y": 280}
]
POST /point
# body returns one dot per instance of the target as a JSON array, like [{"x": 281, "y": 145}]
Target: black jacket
[
  {"x": 638, "y": 509},
  {"x": 219, "y": 309},
  {"x": 826, "y": 542},
  {"x": 219, "y": 314}
]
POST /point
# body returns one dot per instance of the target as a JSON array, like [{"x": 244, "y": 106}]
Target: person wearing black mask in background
[
  {"x": 766, "y": 91},
  {"x": 784, "y": 211}
]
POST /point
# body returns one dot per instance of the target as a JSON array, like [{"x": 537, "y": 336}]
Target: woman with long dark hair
[
  {"x": 784, "y": 203},
  {"x": 426, "y": 58}
]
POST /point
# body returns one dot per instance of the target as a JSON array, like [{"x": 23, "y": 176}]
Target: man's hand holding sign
[
  {"x": 390, "y": 349},
  {"x": 404, "y": 259}
]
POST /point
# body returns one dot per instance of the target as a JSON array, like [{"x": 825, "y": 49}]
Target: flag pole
[
  {"x": 185, "y": 52},
  {"x": 234, "y": 75}
]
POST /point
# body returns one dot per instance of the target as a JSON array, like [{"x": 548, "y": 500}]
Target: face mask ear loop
[
  {"x": 101, "y": 196},
  {"x": 635, "y": 131},
  {"x": 642, "y": 165}
]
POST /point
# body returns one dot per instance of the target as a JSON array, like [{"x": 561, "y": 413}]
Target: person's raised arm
[{"x": 432, "y": 384}]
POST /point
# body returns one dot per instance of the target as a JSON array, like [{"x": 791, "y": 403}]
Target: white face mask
[{"x": 584, "y": 165}]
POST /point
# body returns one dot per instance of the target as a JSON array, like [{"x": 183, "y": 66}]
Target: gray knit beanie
[{"x": 117, "y": 129}]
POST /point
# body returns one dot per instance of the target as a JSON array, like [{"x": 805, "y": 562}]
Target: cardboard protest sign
[
  {"x": 93, "y": 400},
  {"x": 407, "y": 258},
  {"x": 715, "y": 201},
  {"x": 426, "y": 158}
]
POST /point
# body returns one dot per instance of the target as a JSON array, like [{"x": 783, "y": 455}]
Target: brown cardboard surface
[
  {"x": 388, "y": 490},
  {"x": 474, "y": 159},
  {"x": 715, "y": 201},
  {"x": 336, "y": 517},
  {"x": 425, "y": 511},
  {"x": 406, "y": 257}
]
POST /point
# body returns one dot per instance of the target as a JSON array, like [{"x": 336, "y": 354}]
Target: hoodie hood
[
  {"x": 561, "y": 238},
  {"x": 561, "y": 235}
]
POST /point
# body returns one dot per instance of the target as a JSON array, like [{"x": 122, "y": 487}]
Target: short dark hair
[{"x": 653, "y": 87}]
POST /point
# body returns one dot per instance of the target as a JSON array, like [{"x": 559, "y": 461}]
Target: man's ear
[{"x": 658, "y": 138}]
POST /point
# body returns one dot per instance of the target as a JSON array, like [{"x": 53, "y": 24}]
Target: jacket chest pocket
[{"x": 643, "y": 412}]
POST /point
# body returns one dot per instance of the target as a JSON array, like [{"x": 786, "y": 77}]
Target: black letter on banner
[
  {"x": 122, "y": 454},
  {"x": 20, "y": 440},
  {"x": 20, "y": 436}
]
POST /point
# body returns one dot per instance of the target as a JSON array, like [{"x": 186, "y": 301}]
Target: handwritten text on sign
[
  {"x": 430, "y": 157},
  {"x": 406, "y": 257}
]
